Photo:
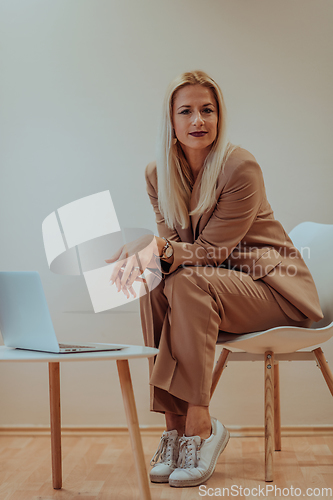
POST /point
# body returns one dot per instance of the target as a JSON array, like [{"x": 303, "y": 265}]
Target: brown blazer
[{"x": 240, "y": 232}]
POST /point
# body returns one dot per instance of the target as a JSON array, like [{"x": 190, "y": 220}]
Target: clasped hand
[{"x": 133, "y": 258}]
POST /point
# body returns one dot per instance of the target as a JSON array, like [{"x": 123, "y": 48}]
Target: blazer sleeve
[{"x": 234, "y": 213}]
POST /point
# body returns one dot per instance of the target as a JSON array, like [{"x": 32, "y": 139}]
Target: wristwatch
[{"x": 167, "y": 250}]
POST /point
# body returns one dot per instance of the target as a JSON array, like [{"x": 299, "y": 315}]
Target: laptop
[{"x": 25, "y": 321}]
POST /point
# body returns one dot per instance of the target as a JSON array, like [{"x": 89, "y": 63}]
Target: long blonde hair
[{"x": 175, "y": 179}]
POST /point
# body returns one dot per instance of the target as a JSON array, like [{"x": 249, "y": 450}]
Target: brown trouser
[{"x": 182, "y": 316}]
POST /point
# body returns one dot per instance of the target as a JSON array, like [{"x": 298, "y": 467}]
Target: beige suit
[{"x": 235, "y": 269}]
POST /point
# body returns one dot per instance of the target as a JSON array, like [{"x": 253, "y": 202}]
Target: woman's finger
[
  {"x": 127, "y": 288},
  {"x": 136, "y": 271},
  {"x": 118, "y": 284},
  {"x": 127, "y": 271},
  {"x": 121, "y": 288},
  {"x": 133, "y": 292},
  {"x": 115, "y": 256},
  {"x": 133, "y": 276},
  {"x": 125, "y": 292},
  {"x": 116, "y": 271}
]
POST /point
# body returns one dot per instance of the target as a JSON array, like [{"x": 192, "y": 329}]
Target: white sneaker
[
  {"x": 165, "y": 459},
  {"x": 198, "y": 457}
]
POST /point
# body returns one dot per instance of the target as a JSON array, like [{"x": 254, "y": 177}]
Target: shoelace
[
  {"x": 164, "y": 452},
  {"x": 189, "y": 453}
]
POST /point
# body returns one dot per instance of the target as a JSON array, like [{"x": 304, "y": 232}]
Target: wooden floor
[{"x": 102, "y": 468}]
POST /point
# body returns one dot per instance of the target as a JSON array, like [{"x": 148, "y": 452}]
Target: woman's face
[{"x": 194, "y": 117}]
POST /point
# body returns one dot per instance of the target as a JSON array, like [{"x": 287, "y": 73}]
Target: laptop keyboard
[{"x": 68, "y": 346}]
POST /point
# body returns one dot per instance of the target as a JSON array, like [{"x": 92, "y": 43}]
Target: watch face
[{"x": 169, "y": 252}]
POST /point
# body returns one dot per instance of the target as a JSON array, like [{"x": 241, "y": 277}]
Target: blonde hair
[{"x": 175, "y": 179}]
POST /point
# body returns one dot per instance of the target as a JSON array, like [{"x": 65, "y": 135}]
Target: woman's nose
[{"x": 197, "y": 118}]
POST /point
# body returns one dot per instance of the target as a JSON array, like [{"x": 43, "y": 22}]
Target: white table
[{"x": 122, "y": 357}]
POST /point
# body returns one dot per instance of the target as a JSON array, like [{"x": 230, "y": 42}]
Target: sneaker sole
[
  {"x": 159, "y": 479},
  {"x": 199, "y": 480}
]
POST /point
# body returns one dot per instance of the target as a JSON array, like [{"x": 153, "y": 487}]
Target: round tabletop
[{"x": 125, "y": 352}]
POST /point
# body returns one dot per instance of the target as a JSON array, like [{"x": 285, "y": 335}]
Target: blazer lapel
[
  {"x": 199, "y": 221},
  {"x": 202, "y": 221}
]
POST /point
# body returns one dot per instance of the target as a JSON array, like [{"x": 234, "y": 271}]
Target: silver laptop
[{"x": 25, "y": 321}]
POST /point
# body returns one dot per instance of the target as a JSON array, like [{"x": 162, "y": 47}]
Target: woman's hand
[{"x": 133, "y": 258}]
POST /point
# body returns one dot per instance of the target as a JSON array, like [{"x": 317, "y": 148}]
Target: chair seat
[{"x": 282, "y": 339}]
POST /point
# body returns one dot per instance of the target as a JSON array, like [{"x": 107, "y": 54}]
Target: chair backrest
[{"x": 315, "y": 242}]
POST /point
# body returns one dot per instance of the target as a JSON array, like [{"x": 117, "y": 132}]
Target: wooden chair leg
[
  {"x": 133, "y": 427},
  {"x": 219, "y": 367},
  {"x": 325, "y": 369},
  {"x": 277, "y": 413},
  {"x": 54, "y": 387},
  {"x": 269, "y": 414}
]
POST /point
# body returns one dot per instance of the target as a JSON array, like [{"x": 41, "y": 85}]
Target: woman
[{"x": 221, "y": 262}]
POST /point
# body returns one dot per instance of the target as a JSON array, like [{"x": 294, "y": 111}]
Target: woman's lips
[{"x": 198, "y": 134}]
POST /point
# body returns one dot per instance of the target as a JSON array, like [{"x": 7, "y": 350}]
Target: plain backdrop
[{"x": 82, "y": 84}]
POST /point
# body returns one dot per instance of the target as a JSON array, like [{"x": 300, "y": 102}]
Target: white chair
[{"x": 284, "y": 343}]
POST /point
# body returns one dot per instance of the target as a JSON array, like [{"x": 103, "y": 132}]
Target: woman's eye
[{"x": 188, "y": 111}]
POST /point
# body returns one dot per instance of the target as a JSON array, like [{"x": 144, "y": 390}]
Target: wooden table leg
[
  {"x": 54, "y": 386},
  {"x": 133, "y": 426},
  {"x": 269, "y": 414},
  {"x": 277, "y": 411}
]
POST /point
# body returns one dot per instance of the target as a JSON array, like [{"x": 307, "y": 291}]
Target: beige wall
[{"x": 81, "y": 87}]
